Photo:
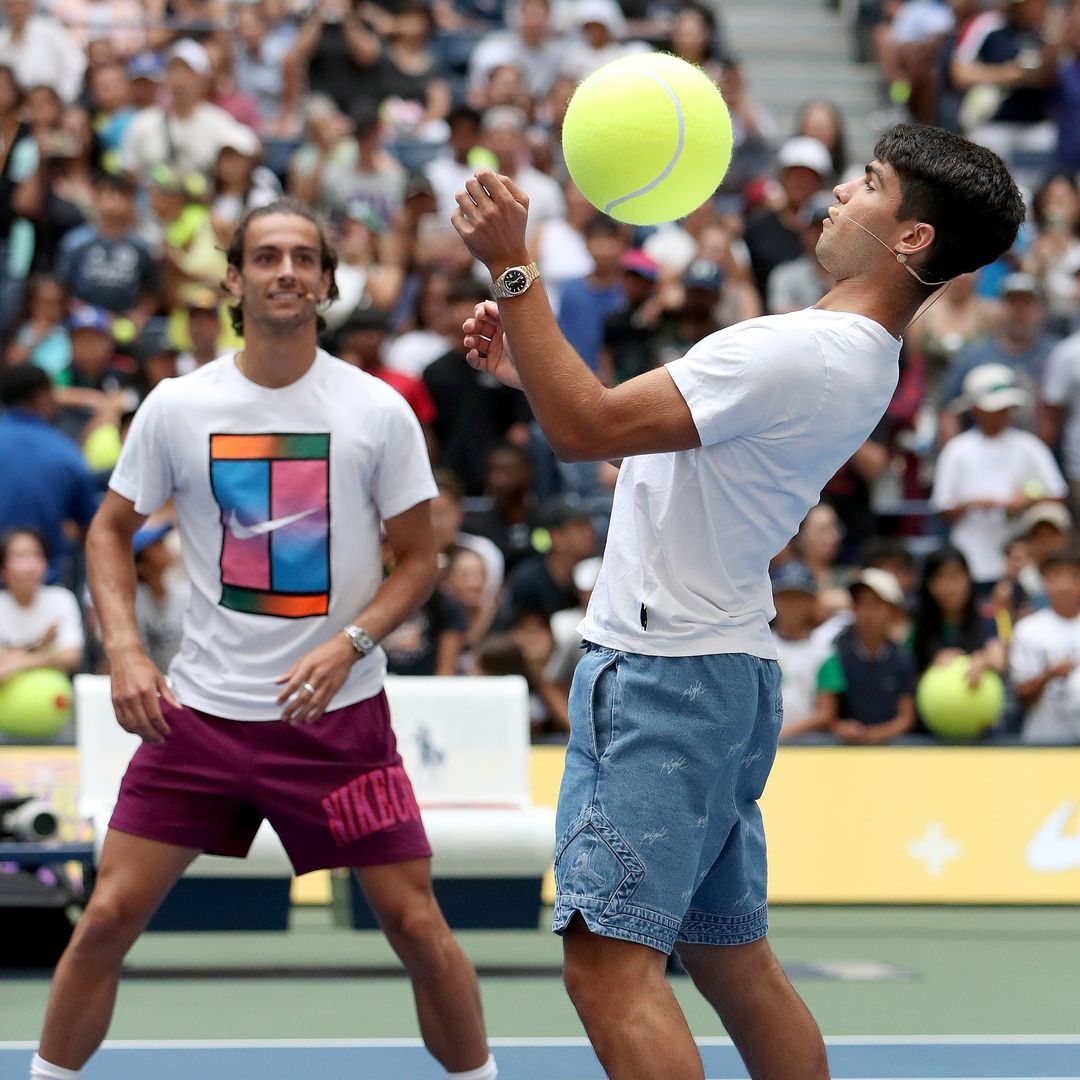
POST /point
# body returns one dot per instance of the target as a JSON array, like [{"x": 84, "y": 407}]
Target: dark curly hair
[{"x": 293, "y": 208}]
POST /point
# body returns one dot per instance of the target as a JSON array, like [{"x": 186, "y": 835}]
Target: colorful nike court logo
[
  {"x": 246, "y": 532},
  {"x": 274, "y": 494}
]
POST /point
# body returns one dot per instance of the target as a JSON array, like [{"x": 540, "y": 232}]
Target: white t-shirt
[
  {"x": 414, "y": 350},
  {"x": 279, "y": 496},
  {"x": 972, "y": 466},
  {"x": 196, "y": 140},
  {"x": 21, "y": 627},
  {"x": 563, "y": 256},
  {"x": 1040, "y": 640},
  {"x": 780, "y": 403},
  {"x": 800, "y": 662},
  {"x": 1061, "y": 386}
]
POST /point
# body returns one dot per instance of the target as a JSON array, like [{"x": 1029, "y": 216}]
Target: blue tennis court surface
[{"x": 868, "y": 1058}]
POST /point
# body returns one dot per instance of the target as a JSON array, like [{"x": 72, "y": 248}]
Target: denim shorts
[{"x": 660, "y": 837}]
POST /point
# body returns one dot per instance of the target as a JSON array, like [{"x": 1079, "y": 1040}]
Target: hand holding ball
[
  {"x": 647, "y": 138},
  {"x": 951, "y": 707}
]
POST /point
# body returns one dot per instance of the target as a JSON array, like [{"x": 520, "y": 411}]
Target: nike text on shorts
[
  {"x": 334, "y": 790},
  {"x": 660, "y": 838}
]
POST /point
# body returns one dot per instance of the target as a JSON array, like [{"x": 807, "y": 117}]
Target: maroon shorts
[{"x": 334, "y": 790}]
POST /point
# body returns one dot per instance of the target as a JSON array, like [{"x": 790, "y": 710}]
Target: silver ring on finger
[{"x": 308, "y": 688}]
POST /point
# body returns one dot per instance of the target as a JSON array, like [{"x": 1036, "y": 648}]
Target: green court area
[{"x": 885, "y": 971}]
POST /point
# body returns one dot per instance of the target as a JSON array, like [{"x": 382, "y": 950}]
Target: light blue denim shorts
[{"x": 660, "y": 838}]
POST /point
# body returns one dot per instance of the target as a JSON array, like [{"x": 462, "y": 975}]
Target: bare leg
[
  {"x": 768, "y": 1021},
  {"x": 629, "y": 1011},
  {"x": 444, "y": 982},
  {"x": 133, "y": 878}
]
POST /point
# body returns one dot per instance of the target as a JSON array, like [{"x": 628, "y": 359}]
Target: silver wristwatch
[
  {"x": 514, "y": 280},
  {"x": 360, "y": 639}
]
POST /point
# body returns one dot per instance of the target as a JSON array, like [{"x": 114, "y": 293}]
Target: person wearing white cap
[
  {"x": 992, "y": 471},
  {"x": 189, "y": 132},
  {"x": 866, "y": 688},
  {"x": 601, "y": 26},
  {"x": 774, "y": 236}
]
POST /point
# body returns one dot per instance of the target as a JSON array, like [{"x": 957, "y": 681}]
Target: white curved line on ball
[{"x": 656, "y": 181}]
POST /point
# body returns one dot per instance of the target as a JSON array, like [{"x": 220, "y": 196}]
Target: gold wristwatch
[{"x": 514, "y": 280}]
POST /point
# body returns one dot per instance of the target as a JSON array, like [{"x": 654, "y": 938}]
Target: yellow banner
[
  {"x": 912, "y": 824},
  {"x": 845, "y": 825}
]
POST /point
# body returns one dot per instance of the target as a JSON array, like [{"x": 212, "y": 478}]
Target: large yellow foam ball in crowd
[
  {"x": 951, "y": 707},
  {"x": 102, "y": 448},
  {"x": 647, "y": 138},
  {"x": 35, "y": 704}
]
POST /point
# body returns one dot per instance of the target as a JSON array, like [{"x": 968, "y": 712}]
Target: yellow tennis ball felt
[{"x": 647, "y": 138}]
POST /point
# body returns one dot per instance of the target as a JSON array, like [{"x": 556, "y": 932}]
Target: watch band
[
  {"x": 514, "y": 280},
  {"x": 360, "y": 639}
]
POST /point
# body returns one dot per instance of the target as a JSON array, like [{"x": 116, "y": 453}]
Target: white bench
[{"x": 465, "y": 744}]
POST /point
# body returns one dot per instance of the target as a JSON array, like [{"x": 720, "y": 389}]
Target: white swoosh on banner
[
  {"x": 1052, "y": 849},
  {"x": 246, "y": 532}
]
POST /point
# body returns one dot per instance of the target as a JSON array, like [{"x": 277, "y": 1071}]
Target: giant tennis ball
[
  {"x": 35, "y": 704},
  {"x": 647, "y": 138},
  {"x": 102, "y": 448},
  {"x": 951, "y": 707}
]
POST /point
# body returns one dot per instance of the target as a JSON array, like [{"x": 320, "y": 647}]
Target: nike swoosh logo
[
  {"x": 246, "y": 532},
  {"x": 1052, "y": 849}
]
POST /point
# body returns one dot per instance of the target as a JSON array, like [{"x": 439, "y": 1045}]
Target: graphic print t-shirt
[{"x": 280, "y": 494}]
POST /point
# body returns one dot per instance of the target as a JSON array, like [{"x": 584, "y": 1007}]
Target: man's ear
[
  {"x": 917, "y": 241},
  {"x": 234, "y": 282}
]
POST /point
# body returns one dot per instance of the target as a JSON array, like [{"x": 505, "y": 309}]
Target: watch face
[{"x": 515, "y": 281}]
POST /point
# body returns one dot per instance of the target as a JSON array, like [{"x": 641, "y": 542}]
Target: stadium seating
[{"x": 465, "y": 743}]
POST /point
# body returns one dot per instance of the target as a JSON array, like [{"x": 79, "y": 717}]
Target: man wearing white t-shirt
[
  {"x": 284, "y": 466},
  {"x": 676, "y": 705},
  {"x": 991, "y": 472},
  {"x": 190, "y": 131}
]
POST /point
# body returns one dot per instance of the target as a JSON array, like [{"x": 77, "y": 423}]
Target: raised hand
[{"x": 490, "y": 218}]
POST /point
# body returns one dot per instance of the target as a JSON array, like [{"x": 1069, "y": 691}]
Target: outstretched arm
[{"x": 582, "y": 419}]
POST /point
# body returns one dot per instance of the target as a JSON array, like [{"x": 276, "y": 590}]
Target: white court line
[{"x": 522, "y": 1041}]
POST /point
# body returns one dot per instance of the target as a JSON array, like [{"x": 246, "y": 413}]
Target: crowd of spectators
[{"x": 133, "y": 136}]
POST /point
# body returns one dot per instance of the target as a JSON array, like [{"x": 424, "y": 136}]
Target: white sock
[
  {"x": 40, "y": 1069},
  {"x": 487, "y": 1071}
]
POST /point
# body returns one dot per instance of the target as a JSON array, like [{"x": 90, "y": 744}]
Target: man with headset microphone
[{"x": 675, "y": 707}]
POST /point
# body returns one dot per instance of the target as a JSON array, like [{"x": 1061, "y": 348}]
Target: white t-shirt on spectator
[
  {"x": 53, "y": 605},
  {"x": 447, "y": 178},
  {"x": 800, "y": 662},
  {"x": 972, "y": 466},
  {"x": 1061, "y": 387},
  {"x": 546, "y": 200},
  {"x": 562, "y": 257},
  {"x": 780, "y": 403},
  {"x": 539, "y": 65},
  {"x": 580, "y": 59},
  {"x": 279, "y": 495},
  {"x": 46, "y": 55},
  {"x": 189, "y": 144},
  {"x": 1040, "y": 640},
  {"x": 414, "y": 350}
]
